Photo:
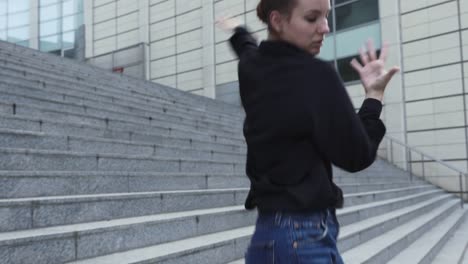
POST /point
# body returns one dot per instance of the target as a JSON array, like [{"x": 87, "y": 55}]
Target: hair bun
[{"x": 261, "y": 12}]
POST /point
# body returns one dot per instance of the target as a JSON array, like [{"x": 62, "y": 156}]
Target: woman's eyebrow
[{"x": 316, "y": 12}]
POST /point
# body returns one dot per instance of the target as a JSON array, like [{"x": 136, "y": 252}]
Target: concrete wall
[{"x": 434, "y": 39}]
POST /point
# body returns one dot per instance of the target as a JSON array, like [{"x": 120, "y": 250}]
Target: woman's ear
[{"x": 276, "y": 21}]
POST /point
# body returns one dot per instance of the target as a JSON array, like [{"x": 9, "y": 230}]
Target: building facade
[{"x": 175, "y": 43}]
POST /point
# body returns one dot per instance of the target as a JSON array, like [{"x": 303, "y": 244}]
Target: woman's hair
[{"x": 265, "y": 7}]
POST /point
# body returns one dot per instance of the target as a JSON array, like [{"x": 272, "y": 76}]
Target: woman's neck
[{"x": 273, "y": 37}]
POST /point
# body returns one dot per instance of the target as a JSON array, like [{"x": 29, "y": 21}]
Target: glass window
[
  {"x": 69, "y": 23},
  {"x": 3, "y": 7},
  {"x": 57, "y": 52},
  {"x": 24, "y": 43},
  {"x": 337, "y": 2},
  {"x": 18, "y": 5},
  {"x": 356, "y": 13},
  {"x": 49, "y": 12},
  {"x": 69, "y": 53},
  {"x": 330, "y": 20},
  {"x": 18, "y": 34},
  {"x": 48, "y": 2},
  {"x": 51, "y": 43},
  {"x": 347, "y": 72},
  {"x": 350, "y": 41},
  {"x": 50, "y": 28},
  {"x": 70, "y": 7},
  {"x": 68, "y": 40},
  {"x": 327, "y": 52},
  {"x": 18, "y": 19},
  {"x": 3, "y": 34},
  {"x": 3, "y": 21},
  {"x": 79, "y": 20}
]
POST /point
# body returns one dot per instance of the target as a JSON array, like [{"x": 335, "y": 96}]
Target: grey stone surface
[
  {"x": 137, "y": 164},
  {"x": 31, "y": 140},
  {"x": 47, "y": 252},
  {"x": 349, "y": 242},
  {"x": 9, "y": 122},
  {"x": 44, "y": 160},
  {"x": 117, "y": 84},
  {"x": 348, "y": 217},
  {"x": 91, "y": 244},
  {"x": 14, "y": 218},
  {"x": 189, "y": 143}
]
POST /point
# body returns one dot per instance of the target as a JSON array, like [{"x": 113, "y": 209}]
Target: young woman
[{"x": 299, "y": 121}]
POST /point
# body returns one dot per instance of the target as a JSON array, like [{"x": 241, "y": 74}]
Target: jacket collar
[{"x": 281, "y": 48}]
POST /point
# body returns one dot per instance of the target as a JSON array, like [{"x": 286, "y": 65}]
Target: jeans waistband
[{"x": 286, "y": 219}]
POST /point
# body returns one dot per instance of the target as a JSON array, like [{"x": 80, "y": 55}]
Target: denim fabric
[{"x": 295, "y": 238}]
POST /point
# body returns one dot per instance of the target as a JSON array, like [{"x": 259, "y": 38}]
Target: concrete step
[
  {"x": 29, "y": 213},
  {"x": 47, "y": 160},
  {"x": 119, "y": 82},
  {"x": 22, "y": 184},
  {"x": 26, "y": 89},
  {"x": 349, "y": 215},
  {"x": 382, "y": 195},
  {"x": 456, "y": 248},
  {"x": 172, "y": 105},
  {"x": 106, "y": 119},
  {"x": 385, "y": 246},
  {"x": 34, "y": 140},
  {"x": 358, "y": 233},
  {"x": 354, "y": 234},
  {"x": 106, "y": 237},
  {"x": 19, "y": 184},
  {"x": 67, "y": 128},
  {"x": 228, "y": 246},
  {"x": 140, "y": 87},
  {"x": 426, "y": 247},
  {"x": 208, "y": 249},
  {"x": 239, "y": 261},
  {"x": 64, "y": 210}
]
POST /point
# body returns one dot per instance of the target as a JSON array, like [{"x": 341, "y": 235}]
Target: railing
[{"x": 409, "y": 152}]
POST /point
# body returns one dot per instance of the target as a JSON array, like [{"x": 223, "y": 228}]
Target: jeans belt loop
[{"x": 278, "y": 216}]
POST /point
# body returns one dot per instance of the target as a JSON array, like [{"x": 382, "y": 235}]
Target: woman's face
[{"x": 307, "y": 25}]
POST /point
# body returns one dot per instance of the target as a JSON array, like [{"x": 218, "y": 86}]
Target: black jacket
[{"x": 299, "y": 121}]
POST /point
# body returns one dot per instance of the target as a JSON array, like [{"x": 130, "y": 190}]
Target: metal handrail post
[
  {"x": 423, "y": 169},
  {"x": 423, "y": 155},
  {"x": 410, "y": 166},
  {"x": 391, "y": 151},
  {"x": 461, "y": 191}
]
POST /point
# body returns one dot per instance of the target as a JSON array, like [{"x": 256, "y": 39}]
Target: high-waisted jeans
[{"x": 295, "y": 238}]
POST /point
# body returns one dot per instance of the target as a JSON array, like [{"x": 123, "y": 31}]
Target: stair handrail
[{"x": 409, "y": 149}]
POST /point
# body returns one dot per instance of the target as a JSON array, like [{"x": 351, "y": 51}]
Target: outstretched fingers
[
  {"x": 389, "y": 75},
  {"x": 384, "y": 52},
  {"x": 371, "y": 50},
  {"x": 356, "y": 65},
  {"x": 364, "y": 56}
]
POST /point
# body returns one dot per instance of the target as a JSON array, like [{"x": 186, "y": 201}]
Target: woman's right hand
[
  {"x": 227, "y": 24},
  {"x": 373, "y": 75}
]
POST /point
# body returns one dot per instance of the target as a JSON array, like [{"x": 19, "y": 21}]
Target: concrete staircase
[{"x": 102, "y": 168}]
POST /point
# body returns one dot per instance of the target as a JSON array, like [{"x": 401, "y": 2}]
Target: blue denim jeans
[{"x": 295, "y": 238}]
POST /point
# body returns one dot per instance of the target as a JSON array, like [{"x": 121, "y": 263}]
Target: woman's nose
[{"x": 324, "y": 28}]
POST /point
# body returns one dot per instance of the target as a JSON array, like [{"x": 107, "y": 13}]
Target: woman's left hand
[{"x": 374, "y": 76}]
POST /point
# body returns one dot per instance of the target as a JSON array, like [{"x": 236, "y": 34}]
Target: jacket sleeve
[
  {"x": 349, "y": 140},
  {"x": 242, "y": 41}
]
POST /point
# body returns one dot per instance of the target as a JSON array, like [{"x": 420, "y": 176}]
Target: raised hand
[
  {"x": 227, "y": 24},
  {"x": 374, "y": 76}
]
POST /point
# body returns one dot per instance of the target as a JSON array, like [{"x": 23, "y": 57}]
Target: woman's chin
[{"x": 314, "y": 50}]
